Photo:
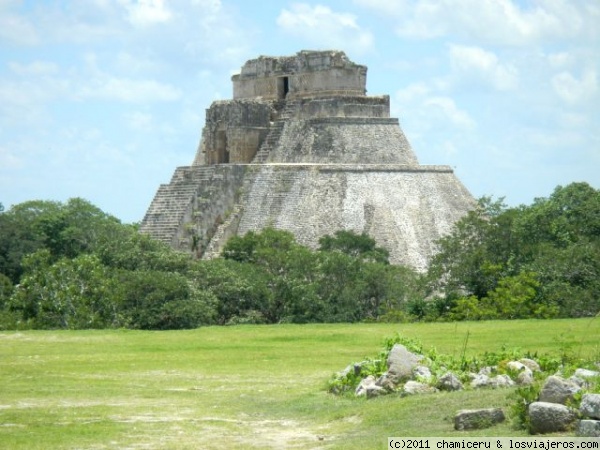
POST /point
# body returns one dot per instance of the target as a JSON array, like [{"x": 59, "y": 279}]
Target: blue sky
[{"x": 102, "y": 99}]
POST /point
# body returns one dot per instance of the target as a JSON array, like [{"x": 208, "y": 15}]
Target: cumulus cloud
[
  {"x": 109, "y": 87},
  {"x": 146, "y": 12},
  {"x": 15, "y": 28},
  {"x": 34, "y": 68},
  {"x": 321, "y": 26},
  {"x": 446, "y": 109},
  {"x": 475, "y": 63},
  {"x": 497, "y": 21},
  {"x": 574, "y": 90}
]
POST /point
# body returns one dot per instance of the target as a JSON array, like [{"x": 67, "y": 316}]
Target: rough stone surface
[
  {"x": 311, "y": 154},
  {"x": 422, "y": 373},
  {"x": 412, "y": 387},
  {"x": 480, "y": 381},
  {"x": 550, "y": 417},
  {"x": 472, "y": 419},
  {"x": 558, "y": 390},
  {"x": 449, "y": 382},
  {"x": 525, "y": 378},
  {"x": 588, "y": 428},
  {"x": 365, "y": 383},
  {"x": 401, "y": 363},
  {"x": 590, "y": 406},
  {"x": 586, "y": 373},
  {"x": 531, "y": 364}
]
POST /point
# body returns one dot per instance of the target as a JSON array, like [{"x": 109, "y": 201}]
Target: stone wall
[
  {"x": 343, "y": 141},
  {"x": 234, "y": 131},
  {"x": 341, "y": 106},
  {"x": 404, "y": 208},
  {"x": 307, "y": 74}
]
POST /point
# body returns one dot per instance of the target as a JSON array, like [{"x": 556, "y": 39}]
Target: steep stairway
[{"x": 167, "y": 210}]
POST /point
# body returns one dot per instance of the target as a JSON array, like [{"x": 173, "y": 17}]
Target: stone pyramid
[{"x": 301, "y": 147}]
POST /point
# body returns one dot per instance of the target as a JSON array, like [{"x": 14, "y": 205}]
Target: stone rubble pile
[{"x": 408, "y": 374}]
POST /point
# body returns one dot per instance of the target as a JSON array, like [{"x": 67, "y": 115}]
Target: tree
[
  {"x": 356, "y": 245},
  {"x": 70, "y": 293}
]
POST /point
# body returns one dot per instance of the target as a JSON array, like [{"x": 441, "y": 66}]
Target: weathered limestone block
[
  {"x": 386, "y": 383},
  {"x": 449, "y": 382},
  {"x": 365, "y": 383},
  {"x": 525, "y": 378},
  {"x": 547, "y": 417},
  {"x": 422, "y": 373},
  {"x": 499, "y": 381},
  {"x": 586, "y": 373},
  {"x": 414, "y": 387},
  {"x": 558, "y": 390},
  {"x": 531, "y": 364},
  {"x": 590, "y": 406},
  {"x": 588, "y": 428},
  {"x": 401, "y": 363},
  {"x": 474, "y": 419}
]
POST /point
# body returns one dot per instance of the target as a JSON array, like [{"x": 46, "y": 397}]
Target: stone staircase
[
  {"x": 275, "y": 133},
  {"x": 171, "y": 202}
]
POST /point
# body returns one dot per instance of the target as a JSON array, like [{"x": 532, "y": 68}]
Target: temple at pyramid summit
[{"x": 301, "y": 147}]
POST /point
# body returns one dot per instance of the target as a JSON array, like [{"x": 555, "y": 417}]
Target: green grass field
[{"x": 242, "y": 386}]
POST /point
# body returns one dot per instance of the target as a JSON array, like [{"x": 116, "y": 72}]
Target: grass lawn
[{"x": 242, "y": 386}]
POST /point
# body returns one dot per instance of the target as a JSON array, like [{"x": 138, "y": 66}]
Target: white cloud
[
  {"x": 144, "y": 13},
  {"x": 574, "y": 90},
  {"x": 140, "y": 121},
  {"x": 479, "y": 64},
  {"x": 446, "y": 108},
  {"x": 498, "y": 21},
  {"x": 34, "y": 68},
  {"x": 15, "y": 28},
  {"x": 321, "y": 26},
  {"x": 8, "y": 160},
  {"x": 108, "y": 87}
]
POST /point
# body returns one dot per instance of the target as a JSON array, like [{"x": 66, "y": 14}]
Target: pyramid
[{"x": 301, "y": 147}]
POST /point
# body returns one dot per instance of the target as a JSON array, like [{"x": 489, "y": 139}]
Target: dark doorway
[
  {"x": 283, "y": 87},
  {"x": 222, "y": 151}
]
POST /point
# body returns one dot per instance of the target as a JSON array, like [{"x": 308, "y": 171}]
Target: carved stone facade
[{"x": 302, "y": 148}]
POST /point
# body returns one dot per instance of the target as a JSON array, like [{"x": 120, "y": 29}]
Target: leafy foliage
[{"x": 539, "y": 261}]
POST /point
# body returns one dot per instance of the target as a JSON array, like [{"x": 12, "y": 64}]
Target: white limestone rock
[
  {"x": 475, "y": 419},
  {"x": 590, "y": 406},
  {"x": 558, "y": 390},
  {"x": 547, "y": 417}
]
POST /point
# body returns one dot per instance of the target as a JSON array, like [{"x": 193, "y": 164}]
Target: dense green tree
[
  {"x": 70, "y": 293},
  {"x": 357, "y": 245},
  {"x": 555, "y": 240}
]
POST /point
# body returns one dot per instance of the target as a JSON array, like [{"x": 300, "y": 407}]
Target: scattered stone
[
  {"x": 586, "y": 373},
  {"x": 365, "y": 383},
  {"x": 558, "y": 390},
  {"x": 516, "y": 366},
  {"x": 375, "y": 391},
  {"x": 386, "y": 383},
  {"x": 590, "y": 406},
  {"x": 401, "y": 363},
  {"x": 487, "y": 370},
  {"x": 449, "y": 382},
  {"x": 475, "y": 419},
  {"x": 414, "y": 387},
  {"x": 525, "y": 378},
  {"x": 547, "y": 417},
  {"x": 589, "y": 428},
  {"x": 501, "y": 381},
  {"x": 480, "y": 381},
  {"x": 530, "y": 364},
  {"x": 578, "y": 381},
  {"x": 422, "y": 373}
]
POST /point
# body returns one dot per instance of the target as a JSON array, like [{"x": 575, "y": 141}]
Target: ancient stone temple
[{"x": 301, "y": 147}]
